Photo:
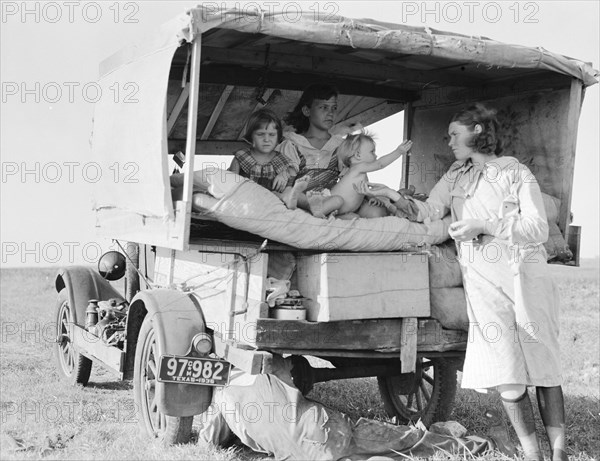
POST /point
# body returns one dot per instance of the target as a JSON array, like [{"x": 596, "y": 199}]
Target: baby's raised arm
[{"x": 386, "y": 160}]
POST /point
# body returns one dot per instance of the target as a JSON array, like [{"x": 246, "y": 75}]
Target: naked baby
[{"x": 357, "y": 153}]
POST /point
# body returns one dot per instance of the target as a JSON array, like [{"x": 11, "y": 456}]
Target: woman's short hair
[
  {"x": 261, "y": 119},
  {"x": 296, "y": 118},
  {"x": 488, "y": 141}
]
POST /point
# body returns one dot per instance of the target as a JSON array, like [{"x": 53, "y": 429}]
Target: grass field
[{"x": 41, "y": 416}]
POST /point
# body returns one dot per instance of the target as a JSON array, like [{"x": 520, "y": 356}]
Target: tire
[
  {"x": 428, "y": 394},
  {"x": 72, "y": 366},
  {"x": 170, "y": 430}
]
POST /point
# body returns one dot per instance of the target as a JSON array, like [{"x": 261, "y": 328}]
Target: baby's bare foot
[
  {"x": 291, "y": 200},
  {"x": 322, "y": 206},
  {"x": 315, "y": 204}
]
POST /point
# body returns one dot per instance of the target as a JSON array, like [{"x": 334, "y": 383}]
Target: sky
[{"x": 50, "y": 53}]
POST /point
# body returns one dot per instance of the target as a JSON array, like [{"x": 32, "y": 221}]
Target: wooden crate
[{"x": 346, "y": 286}]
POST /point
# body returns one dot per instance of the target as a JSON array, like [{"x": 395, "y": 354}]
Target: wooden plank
[
  {"x": 185, "y": 208},
  {"x": 574, "y": 243},
  {"x": 569, "y": 141},
  {"x": 93, "y": 347},
  {"x": 376, "y": 113},
  {"x": 407, "y": 134},
  {"x": 354, "y": 67},
  {"x": 533, "y": 81},
  {"x": 347, "y": 108},
  {"x": 123, "y": 225},
  {"x": 235, "y": 113},
  {"x": 209, "y": 147},
  {"x": 259, "y": 105},
  {"x": 230, "y": 74},
  {"x": 217, "y": 111},
  {"x": 449, "y": 350},
  {"x": 181, "y": 100},
  {"x": 374, "y": 334},
  {"x": 249, "y": 360},
  {"x": 408, "y": 345},
  {"x": 344, "y": 286}
]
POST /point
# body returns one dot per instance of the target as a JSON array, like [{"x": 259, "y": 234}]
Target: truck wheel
[
  {"x": 72, "y": 366},
  {"x": 170, "y": 429},
  {"x": 428, "y": 394}
]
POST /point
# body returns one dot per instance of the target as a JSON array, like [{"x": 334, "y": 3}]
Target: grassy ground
[{"x": 43, "y": 417}]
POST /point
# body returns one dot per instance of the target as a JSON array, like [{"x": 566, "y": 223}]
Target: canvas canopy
[{"x": 384, "y": 62}]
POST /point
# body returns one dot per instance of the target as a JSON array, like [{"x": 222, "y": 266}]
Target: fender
[
  {"x": 82, "y": 284},
  {"x": 176, "y": 318}
]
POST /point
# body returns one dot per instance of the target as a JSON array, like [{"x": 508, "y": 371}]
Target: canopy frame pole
[
  {"x": 569, "y": 140},
  {"x": 181, "y": 100},
  {"x": 190, "y": 142},
  {"x": 408, "y": 122}
]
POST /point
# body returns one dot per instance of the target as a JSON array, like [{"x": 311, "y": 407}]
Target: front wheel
[
  {"x": 427, "y": 394},
  {"x": 170, "y": 429},
  {"x": 72, "y": 366}
]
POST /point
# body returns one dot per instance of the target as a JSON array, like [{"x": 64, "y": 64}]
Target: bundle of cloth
[{"x": 242, "y": 204}]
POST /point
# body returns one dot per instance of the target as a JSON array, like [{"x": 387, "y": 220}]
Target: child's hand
[
  {"x": 407, "y": 192},
  {"x": 405, "y": 146},
  {"x": 382, "y": 202},
  {"x": 280, "y": 181},
  {"x": 370, "y": 189},
  {"x": 343, "y": 130}
]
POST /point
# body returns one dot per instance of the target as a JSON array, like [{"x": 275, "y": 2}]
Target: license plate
[{"x": 193, "y": 370}]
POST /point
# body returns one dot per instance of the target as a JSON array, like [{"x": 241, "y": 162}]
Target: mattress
[{"x": 244, "y": 205}]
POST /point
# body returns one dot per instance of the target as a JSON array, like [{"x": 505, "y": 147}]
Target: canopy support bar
[
  {"x": 190, "y": 143},
  {"x": 183, "y": 96}
]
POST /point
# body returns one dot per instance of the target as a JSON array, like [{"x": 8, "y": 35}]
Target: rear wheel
[
  {"x": 72, "y": 366},
  {"x": 170, "y": 429},
  {"x": 428, "y": 394}
]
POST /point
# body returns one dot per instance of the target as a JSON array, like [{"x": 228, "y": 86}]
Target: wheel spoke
[
  {"x": 425, "y": 391},
  {"x": 152, "y": 352},
  {"x": 409, "y": 399},
  {"x": 153, "y": 404},
  {"x": 419, "y": 401},
  {"x": 428, "y": 378},
  {"x": 152, "y": 367}
]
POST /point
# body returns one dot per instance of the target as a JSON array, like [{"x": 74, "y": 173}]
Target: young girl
[
  {"x": 311, "y": 151},
  {"x": 262, "y": 163}
]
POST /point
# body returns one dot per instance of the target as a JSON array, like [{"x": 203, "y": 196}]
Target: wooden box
[{"x": 346, "y": 286}]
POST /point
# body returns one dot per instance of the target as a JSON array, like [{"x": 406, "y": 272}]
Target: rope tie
[
  {"x": 260, "y": 20},
  {"x": 348, "y": 35}
]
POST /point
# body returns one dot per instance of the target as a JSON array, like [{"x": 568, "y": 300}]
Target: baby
[{"x": 357, "y": 153}]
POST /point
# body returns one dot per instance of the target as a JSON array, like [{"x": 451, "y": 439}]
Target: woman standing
[{"x": 499, "y": 225}]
